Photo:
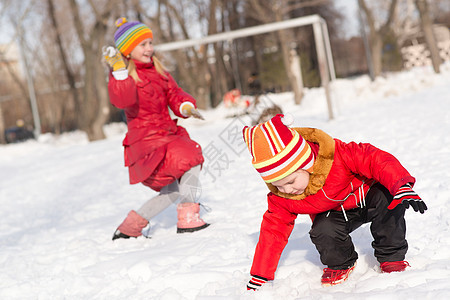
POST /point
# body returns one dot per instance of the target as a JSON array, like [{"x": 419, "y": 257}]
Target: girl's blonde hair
[{"x": 160, "y": 68}]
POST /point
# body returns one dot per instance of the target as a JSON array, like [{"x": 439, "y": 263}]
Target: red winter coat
[
  {"x": 157, "y": 151},
  {"x": 342, "y": 176}
]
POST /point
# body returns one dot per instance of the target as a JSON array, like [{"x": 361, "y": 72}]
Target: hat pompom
[
  {"x": 121, "y": 21},
  {"x": 287, "y": 119}
]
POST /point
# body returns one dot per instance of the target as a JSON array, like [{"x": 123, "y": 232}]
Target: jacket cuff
[
  {"x": 183, "y": 104},
  {"x": 120, "y": 74},
  {"x": 402, "y": 181}
]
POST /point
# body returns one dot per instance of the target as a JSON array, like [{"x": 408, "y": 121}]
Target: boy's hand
[
  {"x": 256, "y": 282},
  {"x": 406, "y": 196},
  {"x": 113, "y": 58}
]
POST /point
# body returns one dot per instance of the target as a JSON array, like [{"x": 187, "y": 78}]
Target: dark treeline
[{"x": 62, "y": 42}]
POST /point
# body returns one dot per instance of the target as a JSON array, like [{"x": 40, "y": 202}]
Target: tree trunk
[
  {"x": 278, "y": 10},
  {"x": 298, "y": 94},
  {"x": 65, "y": 65},
  {"x": 286, "y": 51},
  {"x": 220, "y": 74},
  {"x": 94, "y": 108},
  {"x": 196, "y": 60},
  {"x": 2, "y": 127},
  {"x": 427, "y": 28},
  {"x": 376, "y": 35},
  {"x": 376, "y": 47}
]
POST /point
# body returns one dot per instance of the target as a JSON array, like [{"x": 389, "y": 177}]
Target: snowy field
[{"x": 62, "y": 198}]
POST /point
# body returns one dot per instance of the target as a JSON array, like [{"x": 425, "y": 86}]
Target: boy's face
[{"x": 294, "y": 183}]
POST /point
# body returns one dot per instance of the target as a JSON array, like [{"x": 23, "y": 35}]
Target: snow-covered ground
[{"x": 62, "y": 197}]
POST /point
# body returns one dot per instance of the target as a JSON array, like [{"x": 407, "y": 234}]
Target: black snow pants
[{"x": 330, "y": 231}]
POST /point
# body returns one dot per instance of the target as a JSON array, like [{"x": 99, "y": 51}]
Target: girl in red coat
[
  {"x": 340, "y": 185},
  {"x": 158, "y": 153}
]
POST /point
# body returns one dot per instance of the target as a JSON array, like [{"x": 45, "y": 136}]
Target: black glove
[{"x": 406, "y": 196}]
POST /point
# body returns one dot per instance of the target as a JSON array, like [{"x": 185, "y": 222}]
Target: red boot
[
  {"x": 130, "y": 227},
  {"x": 394, "y": 266},
  {"x": 188, "y": 218},
  {"x": 333, "y": 277}
]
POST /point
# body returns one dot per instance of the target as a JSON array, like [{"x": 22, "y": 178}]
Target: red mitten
[{"x": 406, "y": 196}]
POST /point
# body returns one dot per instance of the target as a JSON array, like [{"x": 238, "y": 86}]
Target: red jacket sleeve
[
  {"x": 369, "y": 161},
  {"x": 122, "y": 93},
  {"x": 276, "y": 228}
]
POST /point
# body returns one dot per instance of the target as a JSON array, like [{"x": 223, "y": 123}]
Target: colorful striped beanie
[
  {"x": 130, "y": 34},
  {"x": 277, "y": 150}
]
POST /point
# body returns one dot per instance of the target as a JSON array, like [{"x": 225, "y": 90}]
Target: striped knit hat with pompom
[
  {"x": 278, "y": 150},
  {"x": 130, "y": 34}
]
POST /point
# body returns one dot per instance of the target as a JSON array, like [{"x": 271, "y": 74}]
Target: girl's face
[
  {"x": 294, "y": 183},
  {"x": 143, "y": 52}
]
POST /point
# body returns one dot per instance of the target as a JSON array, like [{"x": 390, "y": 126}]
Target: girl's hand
[
  {"x": 188, "y": 110},
  {"x": 113, "y": 58}
]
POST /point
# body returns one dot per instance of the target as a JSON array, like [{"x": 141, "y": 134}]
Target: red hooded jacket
[
  {"x": 342, "y": 176},
  {"x": 157, "y": 151}
]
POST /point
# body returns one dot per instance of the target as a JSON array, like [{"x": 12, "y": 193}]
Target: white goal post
[{"x": 322, "y": 41}]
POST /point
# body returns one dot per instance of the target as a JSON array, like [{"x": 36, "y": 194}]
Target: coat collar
[
  {"x": 322, "y": 164},
  {"x": 141, "y": 65}
]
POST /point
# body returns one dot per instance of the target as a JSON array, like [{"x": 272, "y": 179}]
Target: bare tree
[
  {"x": 2, "y": 127},
  {"x": 198, "y": 58},
  {"x": 221, "y": 75},
  {"x": 275, "y": 11},
  {"x": 64, "y": 60},
  {"x": 2, "y": 121},
  {"x": 16, "y": 18},
  {"x": 94, "y": 105},
  {"x": 376, "y": 34},
  {"x": 426, "y": 24},
  {"x": 172, "y": 22}
]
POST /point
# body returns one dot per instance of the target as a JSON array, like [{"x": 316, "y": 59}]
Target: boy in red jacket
[{"x": 340, "y": 185}]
